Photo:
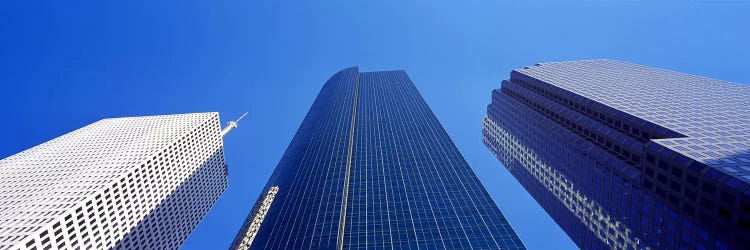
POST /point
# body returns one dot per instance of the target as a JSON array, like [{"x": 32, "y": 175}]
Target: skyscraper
[
  {"x": 123, "y": 183},
  {"x": 626, "y": 156},
  {"x": 372, "y": 167}
]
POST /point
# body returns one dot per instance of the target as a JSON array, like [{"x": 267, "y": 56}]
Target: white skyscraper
[{"x": 122, "y": 183}]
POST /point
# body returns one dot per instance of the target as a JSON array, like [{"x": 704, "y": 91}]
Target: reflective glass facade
[
  {"x": 371, "y": 167},
  {"x": 627, "y": 156}
]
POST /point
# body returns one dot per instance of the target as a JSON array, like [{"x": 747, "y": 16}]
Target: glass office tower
[
  {"x": 120, "y": 183},
  {"x": 626, "y": 156},
  {"x": 371, "y": 167}
]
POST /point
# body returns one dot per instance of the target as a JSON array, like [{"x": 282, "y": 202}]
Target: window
[
  {"x": 727, "y": 197},
  {"x": 708, "y": 188}
]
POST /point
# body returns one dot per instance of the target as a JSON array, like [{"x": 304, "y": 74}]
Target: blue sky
[{"x": 65, "y": 64}]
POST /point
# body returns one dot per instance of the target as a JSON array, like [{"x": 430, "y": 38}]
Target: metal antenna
[{"x": 231, "y": 125}]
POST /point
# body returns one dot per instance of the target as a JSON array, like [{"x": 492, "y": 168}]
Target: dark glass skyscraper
[
  {"x": 371, "y": 167},
  {"x": 626, "y": 156}
]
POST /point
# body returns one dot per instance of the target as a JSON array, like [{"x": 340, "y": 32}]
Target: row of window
[
  {"x": 698, "y": 198},
  {"x": 600, "y": 115},
  {"x": 602, "y": 141},
  {"x": 653, "y": 225}
]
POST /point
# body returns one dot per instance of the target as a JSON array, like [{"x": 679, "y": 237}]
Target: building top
[
  {"x": 371, "y": 167},
  {"x": 708, "y": 119},
  {"x": 40, "y": 185}
]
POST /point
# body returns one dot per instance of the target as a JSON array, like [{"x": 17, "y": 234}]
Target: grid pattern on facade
[
  {"x": 708, "y": 111},
  {"x": 575, "y": 206},
  {"x": 626, "y": 149},
  {"x": 310, "y": 174},
  {"x": 635, "y": 122},
  {"x": 409, "y": 187},
  {"x": 572, "y": 183},
  {"x": 102, "y": 185}
]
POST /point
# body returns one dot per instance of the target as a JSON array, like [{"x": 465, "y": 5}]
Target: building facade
[
  {"x": 123, "y": 183},
  {"x": 371, "y": 167},
  {"x": 626, "y": 156}
]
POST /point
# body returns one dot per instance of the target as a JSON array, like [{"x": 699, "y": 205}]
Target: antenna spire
[{"x": 231, "y": 125}]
